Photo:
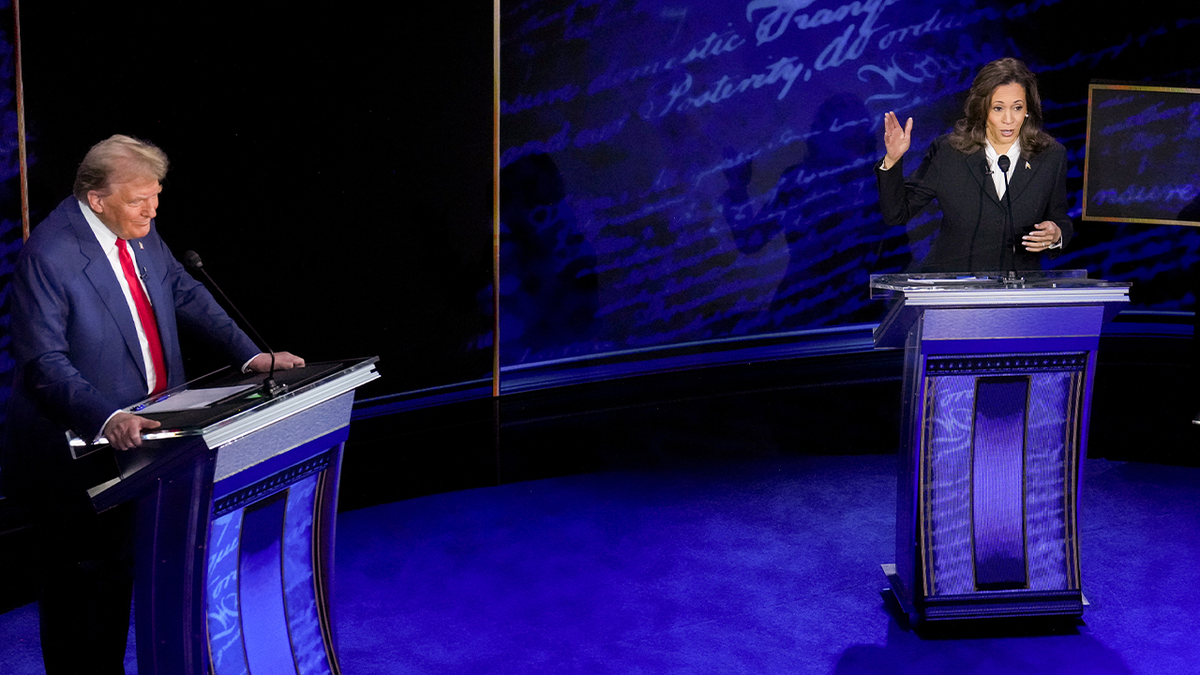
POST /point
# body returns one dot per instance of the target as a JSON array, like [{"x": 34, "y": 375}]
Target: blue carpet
[{"x": 757, "y": 567}]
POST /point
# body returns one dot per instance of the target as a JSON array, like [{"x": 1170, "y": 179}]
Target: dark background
[{"x": 332, "y": 167}]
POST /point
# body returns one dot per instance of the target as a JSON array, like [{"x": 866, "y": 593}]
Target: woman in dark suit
[{"x": 999, "y": 178}]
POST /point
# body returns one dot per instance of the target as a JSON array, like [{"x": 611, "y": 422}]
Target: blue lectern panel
[
  {"x": 1050, "y": 451},
  {"x": 264, "y": 552},
  {"x": 265, "y": 598},
  {"x": 227, "y": 651},
  {"x": 1011, "y": 455},
  {"x": 948, "y": 515},
  {"x": 304, "y": 622},
  {"x": 995, "y": 323},
  {"x": 264, "y": 621},
  {"x": 997, "y": 482}
]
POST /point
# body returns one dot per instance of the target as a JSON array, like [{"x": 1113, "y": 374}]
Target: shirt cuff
[
  {"x": 246, "y": 365},
  {"x": 100, "y": 434}
]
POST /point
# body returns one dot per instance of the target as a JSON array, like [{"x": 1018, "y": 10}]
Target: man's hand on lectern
[
  {"x": 283, "y": 361},
  {"x": 124, "y": 430}
]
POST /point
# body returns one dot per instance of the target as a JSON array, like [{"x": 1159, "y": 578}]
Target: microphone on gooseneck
[
  {"x": 1004, "y": 162},
  {"x": 987, "y": 171},
  {"x": 192, "y": 260}
]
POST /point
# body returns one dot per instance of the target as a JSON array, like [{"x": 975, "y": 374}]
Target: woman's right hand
[{"x": 896, "y": 138}]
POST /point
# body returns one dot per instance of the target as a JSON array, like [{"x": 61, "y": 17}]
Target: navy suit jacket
[
  {"x": 972, "y": 235},
  {"x": 74, "y": 340}
]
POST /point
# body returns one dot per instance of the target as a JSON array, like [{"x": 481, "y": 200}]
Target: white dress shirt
[
  {"x": 993, "y": 157},
  {"x": 108, "y": 243}
]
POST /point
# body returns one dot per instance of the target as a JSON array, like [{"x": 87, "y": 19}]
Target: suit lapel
[
  {"x": 152, "y": 266},
  {"x": 975, "y": 164},
  {"x": 158, "y": 287},
  {"x": 100, "y": 273},
  {"x": 1026, "y": 169}
]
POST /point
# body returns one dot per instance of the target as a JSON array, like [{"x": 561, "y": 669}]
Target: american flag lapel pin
[{"x": 143, "y": 246}]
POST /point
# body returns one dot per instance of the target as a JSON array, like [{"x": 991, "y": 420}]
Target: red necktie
[{"x": 145, "y": 317}]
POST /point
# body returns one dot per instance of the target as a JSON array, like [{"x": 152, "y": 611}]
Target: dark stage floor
[{"x": 763, "y": 566}]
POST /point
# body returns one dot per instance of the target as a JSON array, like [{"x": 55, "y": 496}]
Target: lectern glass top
[
  {"x": 890, "y": 285},
  {"x": 243, "y": 394}
]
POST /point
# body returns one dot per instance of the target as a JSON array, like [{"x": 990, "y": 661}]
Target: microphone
[
  {"x": 987, "y": 171},
  {"x": 1004, "y": 162},
  {"x": 192, "y": 260}
]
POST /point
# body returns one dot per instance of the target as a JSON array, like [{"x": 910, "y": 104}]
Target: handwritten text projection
[
  {"x": 716, "y": 157},
  {"x": 1143, "y": 159}
]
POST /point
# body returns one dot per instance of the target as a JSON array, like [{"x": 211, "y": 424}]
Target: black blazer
[{"x": 972, "y": 235}]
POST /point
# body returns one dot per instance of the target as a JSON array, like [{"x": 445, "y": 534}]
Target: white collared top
[{"x": 1014, "y": 154}]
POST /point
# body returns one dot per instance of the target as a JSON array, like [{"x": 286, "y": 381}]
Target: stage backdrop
[
  {"x": 672, "y": 172},
  {"x": 10, "y": 192},
  {"x": 696, "y": 170}
]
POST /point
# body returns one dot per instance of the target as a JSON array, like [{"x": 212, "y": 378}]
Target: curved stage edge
[
  {"x": 780, "y": 397},
  {"x": 737, "y": 567},
  {"x": 812, "y": 392}
]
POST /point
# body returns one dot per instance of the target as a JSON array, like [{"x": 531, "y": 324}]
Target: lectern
[
  {"x": 997, "y": 389},
  {"x": 236, "y": 498}
]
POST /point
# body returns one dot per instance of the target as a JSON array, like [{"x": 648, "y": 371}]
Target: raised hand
[{"x": 896, "y": 138}]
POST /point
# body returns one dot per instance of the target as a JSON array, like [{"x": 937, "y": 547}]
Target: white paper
[
  {"x": 192, "y": 399},
  {"x": 941, "y": 282}
]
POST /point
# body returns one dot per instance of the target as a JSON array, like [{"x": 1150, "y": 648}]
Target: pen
[{"x": 143, "y": 406}]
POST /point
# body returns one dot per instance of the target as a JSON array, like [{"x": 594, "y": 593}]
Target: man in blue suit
[{"x": 97, "y": 304}]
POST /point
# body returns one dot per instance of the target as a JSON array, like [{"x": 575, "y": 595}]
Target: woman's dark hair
[{"x": 970, "y": 132}]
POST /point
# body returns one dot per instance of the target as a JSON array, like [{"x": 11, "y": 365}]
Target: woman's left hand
[{"x": 1045, "y": 234}]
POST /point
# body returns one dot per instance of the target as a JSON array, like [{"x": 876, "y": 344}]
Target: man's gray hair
[{"x": 118, "y": 159}]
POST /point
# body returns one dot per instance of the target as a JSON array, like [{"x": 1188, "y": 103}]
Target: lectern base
[
  {"x": 1009, "y": 604},
  {"x": 895, "y": 592}
]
